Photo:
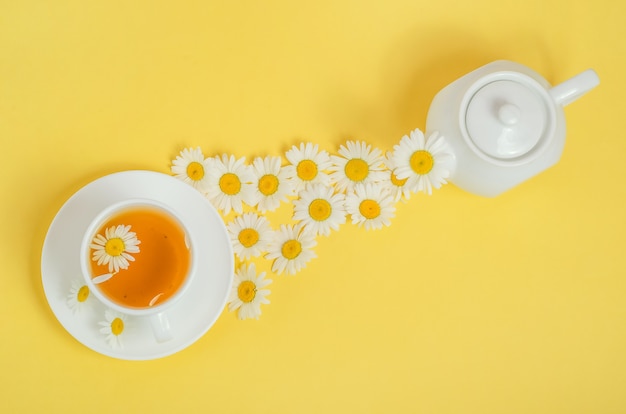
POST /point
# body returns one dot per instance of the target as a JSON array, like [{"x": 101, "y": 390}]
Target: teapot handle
[{"x": 573, "y": 88}]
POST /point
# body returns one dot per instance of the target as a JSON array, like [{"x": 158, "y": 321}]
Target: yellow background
[{"x": 515, "y": 304}]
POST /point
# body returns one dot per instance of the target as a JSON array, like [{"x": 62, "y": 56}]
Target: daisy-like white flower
[
  {"x": 399, "y": 188},
  {"x": 79, "y": 293},
  {"x": 308, "y": 165},
  {"x": 358, "y": 163},
  {"x": 230, "y": 184},
  {"x": 291, "y": 249},
  {"x": 250, "y": 235},
  {"x": 191, "y": 167},
  {"x": 273, "y": 183},
  {"x": 426, "y": 163},
  {"x": 113, "y": 327},
  {"x": 320, "y": 209},
  {"x": 248, "y": 293},
  {"x": 371, "y": 205},
  {"x": 115, "y": 247}
]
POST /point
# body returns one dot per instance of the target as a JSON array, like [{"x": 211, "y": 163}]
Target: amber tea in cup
[
  {"x": 139, "y": 255},
  {"x": 160, "y": 267}
]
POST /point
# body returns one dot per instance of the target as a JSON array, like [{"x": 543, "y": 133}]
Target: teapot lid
[{"x": 507, "y": 118}]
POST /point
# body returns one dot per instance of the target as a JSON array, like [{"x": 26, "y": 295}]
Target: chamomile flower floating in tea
[
  {"x": 248, "y": 293},
  {"x": 371, "y": 205},
  {"x": 113, "y": 327},
  {"x": 320, "y": 209},
  {"x": 77, "y": 298},
  {"x": 357, "y": 163},
  {"x": 426, "y": 163},
  {"x": 191, "y": 167},
  {"x": 308, "y": 165},
  {"x": 230, "y": 184},
  {"x": 115, "y": 247},
  {"x": 291, "y": 249},
  {"x": 398, "y": 187},
  {"x": 273, "y": 183},
  {"x": 250, "y": 235}
]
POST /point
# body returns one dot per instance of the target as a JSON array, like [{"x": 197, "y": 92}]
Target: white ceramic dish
[{"x": 195, "y": 313}]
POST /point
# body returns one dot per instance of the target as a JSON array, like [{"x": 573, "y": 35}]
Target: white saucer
[{"x": 191, "y": 317}]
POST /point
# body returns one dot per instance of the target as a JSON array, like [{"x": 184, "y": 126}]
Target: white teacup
[{"x": 142, "y": 274}]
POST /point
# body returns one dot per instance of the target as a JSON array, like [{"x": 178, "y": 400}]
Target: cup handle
[
  {"x": 161, "y": 327},
  {"x": 567, "y": 92}
]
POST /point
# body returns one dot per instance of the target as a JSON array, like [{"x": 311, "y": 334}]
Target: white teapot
[{"x": 505, "y": 124}]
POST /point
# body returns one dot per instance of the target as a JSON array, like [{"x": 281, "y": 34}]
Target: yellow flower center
[
  {"x": 83, "y": 293},
  {"x": 246, "y": 291},
  {"x": 195, "y": 171},
  {"x": 356, "y": 169},
  {"x": 230, "y": 184},
  {"x": 248, "y": 237},
  {"x": 268, "y": 184},
  {"x": 291, "y": 249},
  {"x": 396, "y": 181},
  {"x": 320, "y": 209},
  {"x": 307, "y": 170},
  {"x": 422, "y": 162},
  {"x": 370, "y": 209},
  {"x": 114, "y": 246},
  {"x": 117, "y": 326}
]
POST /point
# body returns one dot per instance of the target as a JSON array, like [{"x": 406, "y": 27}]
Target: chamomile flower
[
  {"x": 399, "y": 188},
  {"x": 250, "y": 235},
  {"x": 113, "y": 327},
  {"x": 230, "y": 184},
  {"x": 77, "y": 298},
  {"x": 308, "y": 165},
  {"x": 358, "y": 163},
  {"x": 191, "y": 167},
  {"x": 273, "y": 183},
  {"x": 426, "y": 163},
  {"x": 248, "y": 293},
  {"x": 115, "y": 247},
  {"x": 320, "y": 209},
  {"x": 371, "y": 205},
  {"x": 291, "y": 249}
]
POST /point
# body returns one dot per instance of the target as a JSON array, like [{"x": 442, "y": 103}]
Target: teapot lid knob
[{"x": 509, "y": 114}]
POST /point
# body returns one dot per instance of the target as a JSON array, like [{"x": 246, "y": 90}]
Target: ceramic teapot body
[{"x": 505, "y": 124}]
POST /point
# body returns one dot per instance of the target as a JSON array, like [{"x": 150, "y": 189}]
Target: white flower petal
[{"x": 103, "y": 278}]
